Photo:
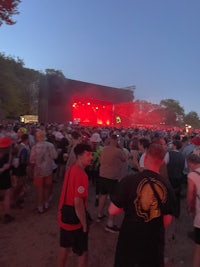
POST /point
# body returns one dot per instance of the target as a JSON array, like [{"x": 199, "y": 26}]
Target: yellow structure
[{"x": 29, "y": 118}]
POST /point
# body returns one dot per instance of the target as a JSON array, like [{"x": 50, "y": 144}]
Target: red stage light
[
  {"x": 99, "y": 122},
  {"x": 93, "y": 112}
]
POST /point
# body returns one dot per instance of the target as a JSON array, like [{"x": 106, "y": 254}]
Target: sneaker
[
  {"x": 101, "y": 218},
  {"x": 112, "y": 229},
  {"x": 8, "y": 218},
  {"x": 46, "y": 205},
  {"x": 40, "y": 210}
]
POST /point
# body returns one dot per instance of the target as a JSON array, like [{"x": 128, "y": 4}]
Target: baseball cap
[
  {"x": 196, "y": 141},
  {"x": 95, "y": 138},
  {"x": 5, "y": 142}
]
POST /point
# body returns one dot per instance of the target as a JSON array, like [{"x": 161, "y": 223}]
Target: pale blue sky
[{"x": 152, "y": 44}]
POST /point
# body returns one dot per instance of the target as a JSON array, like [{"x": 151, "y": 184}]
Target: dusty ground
[{"x": 32, "y": 240}]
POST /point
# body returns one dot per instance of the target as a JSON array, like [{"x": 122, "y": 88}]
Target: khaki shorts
[{"x": 42, "y": 181}]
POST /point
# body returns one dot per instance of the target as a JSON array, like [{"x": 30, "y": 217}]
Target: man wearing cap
[{"x": 5, "y": 179}]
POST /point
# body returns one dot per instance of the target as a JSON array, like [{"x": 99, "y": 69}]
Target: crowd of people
[{"x": 141, "y": 172}]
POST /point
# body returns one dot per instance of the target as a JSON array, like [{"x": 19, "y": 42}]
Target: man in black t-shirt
[{"x": 148, "y": 202}]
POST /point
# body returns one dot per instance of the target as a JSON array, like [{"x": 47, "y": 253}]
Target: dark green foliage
[
  {"x": 18, "y": 88},
  {"x": 192, "y": 119},
  {"x": 174, "y": 113}
]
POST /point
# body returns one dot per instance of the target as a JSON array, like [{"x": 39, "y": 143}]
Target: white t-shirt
[
  {"x": 195, "y": 177},
  {"x": 141, "y": 160}
]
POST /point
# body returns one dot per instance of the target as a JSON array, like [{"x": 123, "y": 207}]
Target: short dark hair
[
  {"x": 144, "y": 142},
  {"x": 76, "y": 135},
  {"x": 24, "y": 137},
  {"x": 177, "y": 144},
  {"x": 81, "y": 148},
  {"x": 156, "y": 151}
]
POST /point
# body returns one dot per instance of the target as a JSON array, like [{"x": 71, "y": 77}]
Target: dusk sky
[{"x": 152, "y": 44}]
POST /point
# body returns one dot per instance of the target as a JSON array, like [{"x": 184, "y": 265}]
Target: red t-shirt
[{"x": 77, "y": 186}]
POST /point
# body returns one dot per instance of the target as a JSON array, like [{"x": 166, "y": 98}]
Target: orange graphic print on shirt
[{"x": 146, "y": 203}]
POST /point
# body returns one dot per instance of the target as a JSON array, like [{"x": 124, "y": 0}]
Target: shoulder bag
[{"x": 68, "y": 213}]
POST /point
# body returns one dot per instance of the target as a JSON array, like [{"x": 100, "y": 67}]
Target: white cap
[{"x": 95, "y": 138}]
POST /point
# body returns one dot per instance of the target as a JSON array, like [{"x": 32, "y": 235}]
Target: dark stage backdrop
[{"x": 56, "y": 97}]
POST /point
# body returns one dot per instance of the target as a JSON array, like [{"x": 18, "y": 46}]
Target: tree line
[{"x": 20, "y": 92}]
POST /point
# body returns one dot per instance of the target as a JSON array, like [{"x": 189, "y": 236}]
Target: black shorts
[
  {"x": 106, "y": 186},
  {"x": 136, "y": 247},
  {"x": 197, "y": 235},
  {"x": 76, "y": 239},
  {"x": 5, "y": 182}
]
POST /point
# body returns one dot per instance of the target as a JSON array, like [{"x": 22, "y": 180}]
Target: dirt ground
[{"x": 32, "y": 240}]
